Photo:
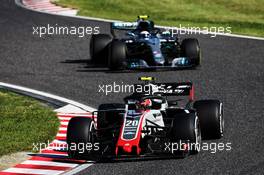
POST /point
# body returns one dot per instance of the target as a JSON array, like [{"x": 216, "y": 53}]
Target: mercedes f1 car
[
  {"x": 144, "y": 46},
  {"x": 148, "y": 124}
]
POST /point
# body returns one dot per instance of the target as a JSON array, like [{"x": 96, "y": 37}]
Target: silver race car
[{"x": 144, "y": 46}]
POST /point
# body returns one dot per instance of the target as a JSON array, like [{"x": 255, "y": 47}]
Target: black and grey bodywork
[{"x": 144, "y": 46}]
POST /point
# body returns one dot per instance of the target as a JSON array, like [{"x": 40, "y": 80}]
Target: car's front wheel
[
  {"x": 191, "y": 49},
  {"x": 81, "y": 135},
  {"x": 98, "y": 48},
  {"x": 210, "y": 113},
  {"x": 186, "y": 127},
  {"x": 117, "y": 54}
]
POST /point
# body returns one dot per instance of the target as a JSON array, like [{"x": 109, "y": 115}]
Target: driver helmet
[
  {"x": 147, "y": 103},
  {"x": 166, "y": 33},
  {"x": 144, "y": 34}
]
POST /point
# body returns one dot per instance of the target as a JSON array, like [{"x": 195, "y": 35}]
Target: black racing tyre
[
  {"x": 80, "y": 131},
  {"x": 210, "y": 113},
  {"x": 174, "y": 112},
  {"x": 186, "y": 127},
  {"x": 117, "y": 55},
  {"x": 191, "y": 49},
  {"x": 98, "y": 48}
]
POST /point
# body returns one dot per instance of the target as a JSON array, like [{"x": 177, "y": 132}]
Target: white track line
[
  {"x": 61, "y": 155},
  {"x": 44, "y": 94},
  {"x": 18, "y": 2},
  {"x": 78, "y": 169},
  {"x": 62, "y": 129},
  {"x": 72, "y": 107},
  {"x": 76, "y": 114},
  {"x": 38, "y": 162},
  {"x": 64, "y": 123},
  {"x": 61, "y": 135},
  {"x": 58, "y": 142},
  {"x": 64, "y": 118},
  {"x": 32, "y": 171}
]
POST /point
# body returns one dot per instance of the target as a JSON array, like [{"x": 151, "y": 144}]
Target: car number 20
[{"x": 131, "y": 123}]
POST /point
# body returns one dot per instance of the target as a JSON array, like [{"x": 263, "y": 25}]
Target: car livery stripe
[{"x": 128, "y": 144}]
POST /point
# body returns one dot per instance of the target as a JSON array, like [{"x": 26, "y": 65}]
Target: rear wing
[
  {"x": 124, "y": 25},
  {"x": 170, "y": 89},
  {"x": 128, "y": 25}
]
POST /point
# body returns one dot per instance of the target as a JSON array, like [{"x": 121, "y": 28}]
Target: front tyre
[
  {"x": 186, "y": 127},
  {"x": 98, "y": 48},
  {"x": 191, "y": 49},
  {"x": 210, "y": 113},
  {"x": 81, "y": 132},
  {"x": 117, "y": 55}
]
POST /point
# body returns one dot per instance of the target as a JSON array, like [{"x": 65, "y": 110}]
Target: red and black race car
[{"x": 148, "y": 124}]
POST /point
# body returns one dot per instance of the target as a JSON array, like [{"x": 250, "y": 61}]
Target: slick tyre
[
  {"x": 210, "y": 114},
  {"x": 98, "y": 48},
  {"x": 191, "y": 49},
  {"x": 186, "y": 127},
  {"x": 117, "y": 54},
  {"x": 80, "y": 131}
]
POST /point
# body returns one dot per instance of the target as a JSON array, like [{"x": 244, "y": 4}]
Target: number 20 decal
[{"x": 131, "y": 123}]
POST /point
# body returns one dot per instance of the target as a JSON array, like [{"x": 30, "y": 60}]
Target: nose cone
[
  {"x": 158, "y": 58},
  {"x": 127, "y": 148}
]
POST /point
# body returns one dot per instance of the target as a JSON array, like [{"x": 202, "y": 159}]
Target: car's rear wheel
[
  {"x": 81, "y": 132},
  {"x": 117, "y": 55},
  {"x": 191, "y": 49},
  {"x": 210, "y": 113},
  {"x": 186, "y": 127},
  {"x": 98, "y": 48}
]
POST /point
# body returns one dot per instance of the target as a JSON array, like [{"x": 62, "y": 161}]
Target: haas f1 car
[
  {"x": 148, "y": 125},
  {"x": 144, "y": 46}
]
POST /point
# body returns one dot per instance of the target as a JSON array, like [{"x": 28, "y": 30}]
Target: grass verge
[
  {"x": 24, "y": 121},
  {"x": 243, "y": 16}
]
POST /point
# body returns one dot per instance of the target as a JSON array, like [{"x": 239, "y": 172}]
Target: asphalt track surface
[{"x": 232, "y": 70}]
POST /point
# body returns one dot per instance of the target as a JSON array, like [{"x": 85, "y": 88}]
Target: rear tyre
[
  {"x": 80, "y": 131},
  {"x": 186, "y": 127},
  {"x": 117, "y": 55},
  {"x": 98, "y": 48},
  {"x": 210, "y": 113},
  {"x": 191, "y": 49}
]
